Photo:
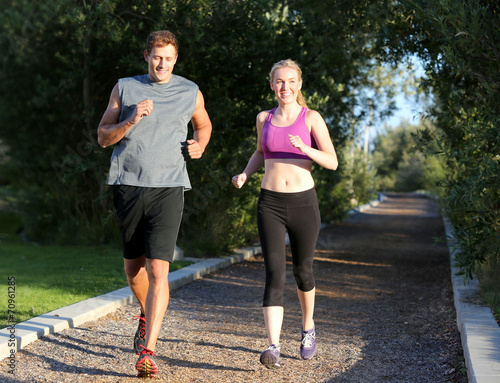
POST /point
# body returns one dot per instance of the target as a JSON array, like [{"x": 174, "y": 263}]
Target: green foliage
[
  {"x": 458, "y": 42},
  {"x": 61, "y": 58},
  {"x": 358, "y": 182},
  {"x": 405, "y": 159},
  {"x": 490, "y": 283},
  {"x": 333, "y": 196}
]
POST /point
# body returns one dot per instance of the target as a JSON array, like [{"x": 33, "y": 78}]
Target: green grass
[
  {"x": 51, "y": 277},
  {"x": 489, "y": 281}
]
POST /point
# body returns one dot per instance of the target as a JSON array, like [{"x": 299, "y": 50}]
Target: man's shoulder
[
  {"x": 183, "y": 81},
  {"x": 142, "y": 78}
]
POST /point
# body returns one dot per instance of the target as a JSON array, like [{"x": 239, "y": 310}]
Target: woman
[{"x": 289, "y": 138}]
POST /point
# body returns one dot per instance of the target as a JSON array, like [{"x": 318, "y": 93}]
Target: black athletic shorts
[{"x": 149, "y": 220}]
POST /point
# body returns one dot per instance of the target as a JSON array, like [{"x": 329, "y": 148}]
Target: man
[{"x": 146, "y": 119}]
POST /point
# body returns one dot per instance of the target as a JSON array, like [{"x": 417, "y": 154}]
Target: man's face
[{"x": 161, "y": 61}]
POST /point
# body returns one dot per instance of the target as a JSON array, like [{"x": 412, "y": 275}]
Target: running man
[{"x": 147, "y": 120}]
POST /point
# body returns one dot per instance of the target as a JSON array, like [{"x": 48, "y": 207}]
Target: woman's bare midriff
[{"x": 287, "y": 175}]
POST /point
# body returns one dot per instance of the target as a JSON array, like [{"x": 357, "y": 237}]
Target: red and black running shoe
[
  {"x": 146, "y": 366},
  {"x": 140, "y": 334}
]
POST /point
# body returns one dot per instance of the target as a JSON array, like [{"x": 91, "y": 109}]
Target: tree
[
  {"x": 404, "y": 163},
  {"x": 459, "y": 43},
  {"x": 61, "y": 59}
]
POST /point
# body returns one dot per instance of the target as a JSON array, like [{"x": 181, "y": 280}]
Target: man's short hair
[{"x": 161, "y": 39}]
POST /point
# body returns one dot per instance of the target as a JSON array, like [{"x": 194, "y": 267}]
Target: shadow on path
[{"x": 384, "y": 313}]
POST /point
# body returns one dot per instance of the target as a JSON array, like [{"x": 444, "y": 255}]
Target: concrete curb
[
  {"x": 91, "y": 309},
  {"x": 479, "y": 330}
]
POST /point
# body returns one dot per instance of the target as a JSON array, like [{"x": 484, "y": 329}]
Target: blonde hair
[{"x": 288, "y": 63}]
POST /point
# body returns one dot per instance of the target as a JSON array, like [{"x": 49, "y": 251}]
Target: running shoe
[
  {"x": 140, "y": 334},
  {"x": 308, "y": 344},
  {"x": 146, "y": 366},
  {"x": 270, "y": 358}
]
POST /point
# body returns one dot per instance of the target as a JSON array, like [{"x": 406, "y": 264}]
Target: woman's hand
[
  {"x": 239, "y": 180},
  {"x": 297, "y": 142}
]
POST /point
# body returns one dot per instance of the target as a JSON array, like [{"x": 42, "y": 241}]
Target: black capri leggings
[{"x": 299, "y": 214}]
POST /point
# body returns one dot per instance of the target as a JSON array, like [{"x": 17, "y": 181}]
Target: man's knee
[{"x": 157, "y": 269}]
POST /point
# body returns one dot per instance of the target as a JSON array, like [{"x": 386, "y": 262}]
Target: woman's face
[{"x": 286, "y": 85}]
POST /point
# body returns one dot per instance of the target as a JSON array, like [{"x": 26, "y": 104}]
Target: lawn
[
  {"x": 50, "y": 277},
  {"x": 489, "y": 281}
]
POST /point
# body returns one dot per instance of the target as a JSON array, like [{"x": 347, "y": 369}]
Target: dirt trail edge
[{"x": 384, "y": 313}]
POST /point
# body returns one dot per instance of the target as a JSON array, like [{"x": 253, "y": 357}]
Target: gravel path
[{"x": 384, "y": 313}]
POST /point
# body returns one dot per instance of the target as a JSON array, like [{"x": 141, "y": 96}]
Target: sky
[{"x": 408, "y": 108}]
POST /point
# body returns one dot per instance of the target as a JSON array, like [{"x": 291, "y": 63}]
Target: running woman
[{"x": 289, "y": 138}]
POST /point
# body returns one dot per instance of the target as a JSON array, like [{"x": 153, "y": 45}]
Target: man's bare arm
[
  {"x": 202, "y": 127},
  {"x": 110, "y": 131}
]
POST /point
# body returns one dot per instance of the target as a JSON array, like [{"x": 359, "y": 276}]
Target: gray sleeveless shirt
[{"x": 151, "y": 153}]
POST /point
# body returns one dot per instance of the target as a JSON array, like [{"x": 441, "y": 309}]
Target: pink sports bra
[{"x": 275, "y": 141}]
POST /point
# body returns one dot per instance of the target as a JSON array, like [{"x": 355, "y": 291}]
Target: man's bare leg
[
  {"x": 157, "y": 299},
  {"x": 137, "y": 277}
]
